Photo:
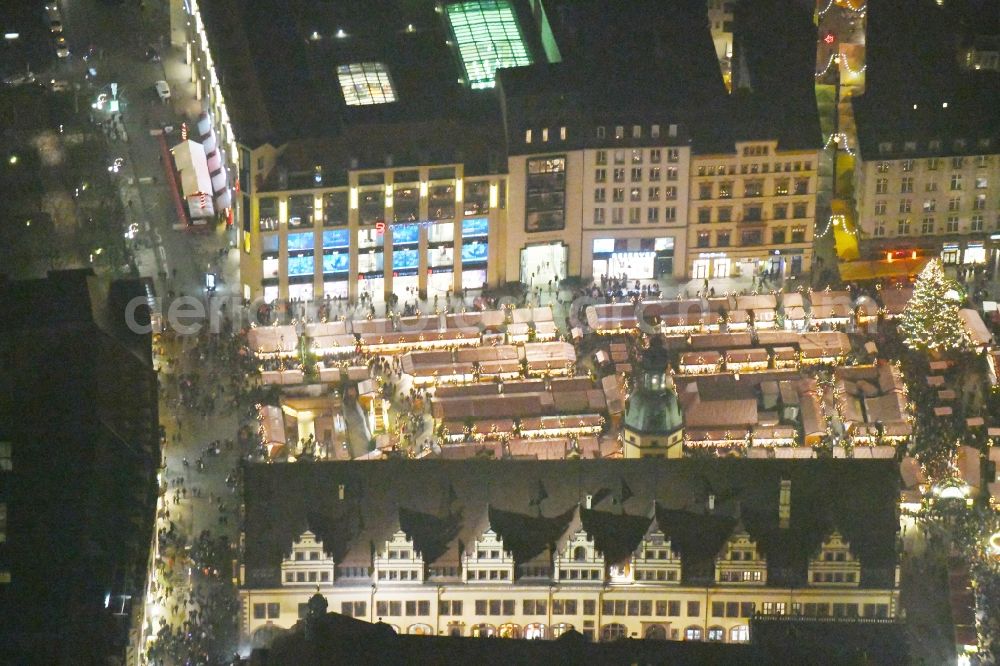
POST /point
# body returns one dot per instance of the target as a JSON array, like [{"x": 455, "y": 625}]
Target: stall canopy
[
  {"x": 977, "y": 330},
  {"x": 273, "y": 424},
  {"x": 196, "y": 183}
]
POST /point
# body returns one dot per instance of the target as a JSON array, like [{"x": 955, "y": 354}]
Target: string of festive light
[
  {"x": 841, "y": 59},
  {"x": 847, "y": 5},
  {"x": 835, "y": 221},
  {"x": 829, "y": 64},
  {"x": 841, "y": 139}
]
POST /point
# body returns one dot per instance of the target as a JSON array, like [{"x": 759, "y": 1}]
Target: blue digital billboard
[
  {"x": 270, "y": 243},
  {"x": 336, "y": 262},
  {"x": 404, "y": 259},
  {"x": 304, "y": 265},
  {"x": 305, "y": 241},
  {"x": 336, "y": 238},
  {"x": 474, "y": 252},
  {"x": 405, "y": 234},
  {"x": 475, "y": 227}
]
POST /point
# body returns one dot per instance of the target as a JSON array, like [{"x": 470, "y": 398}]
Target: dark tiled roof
[
  {"x": 912, "y": 55},
  {"x": 970, "y": 116},
  {"x": 278, "y": 60},
  {"x": 857, "y": 497}
]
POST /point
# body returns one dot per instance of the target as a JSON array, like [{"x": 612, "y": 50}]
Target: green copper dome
[
  {"x": 653, "y": 410},
  {"x": 653, "y": 407}
]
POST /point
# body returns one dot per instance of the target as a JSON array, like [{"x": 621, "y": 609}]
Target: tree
[{"x": 930, "y": 321}]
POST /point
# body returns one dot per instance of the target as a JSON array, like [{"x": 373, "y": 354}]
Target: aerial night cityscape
[{"x": 499, "y": 332}]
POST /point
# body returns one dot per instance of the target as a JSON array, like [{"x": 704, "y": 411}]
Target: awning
[
  {"x": 977, "y": 330},
  {"x": 857, "y": 271}
]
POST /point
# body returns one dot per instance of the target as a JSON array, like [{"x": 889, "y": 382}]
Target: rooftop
[
  {"x": 437, "y": 501},
  {"x": 307, "y": 68}
]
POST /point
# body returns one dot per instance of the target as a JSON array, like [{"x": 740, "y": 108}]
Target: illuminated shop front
[
  {"x": 475, "y": 252},
  {"x": 543, "y": 262},
  {"x": 723, "y": 265},
  {"x": 974, "y": 253},
  {"x": 636, "y": 258}
]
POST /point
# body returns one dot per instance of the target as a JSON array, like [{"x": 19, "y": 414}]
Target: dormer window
[
  {"x": 834, "y": 563},
  {"x": 307, "y": 562},
  {"x": 740, "y": 561}
]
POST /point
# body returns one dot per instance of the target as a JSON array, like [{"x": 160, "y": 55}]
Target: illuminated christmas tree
[{"x": 930, "y": 321}]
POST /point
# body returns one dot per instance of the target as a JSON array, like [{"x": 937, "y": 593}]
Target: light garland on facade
[
  {"x": 840, "y": 59},
  {"x": 847, "y": 5},
  {"x": 841, "y": 140},
  {"x": 835, "y": 221}
]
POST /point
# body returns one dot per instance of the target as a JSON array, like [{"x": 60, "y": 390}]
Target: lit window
[
  {"x": 366, "y": 83},
  {"x": 488, "y": 38}
]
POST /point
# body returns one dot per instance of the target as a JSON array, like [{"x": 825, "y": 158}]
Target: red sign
[
  {"x": 380, "y": 227},
  {"x": 829, "y": 38}
]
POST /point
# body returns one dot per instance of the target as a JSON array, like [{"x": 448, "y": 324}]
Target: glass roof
[
  {"x": 488, "y": 37},
  {"x": 366, "y": 83}
]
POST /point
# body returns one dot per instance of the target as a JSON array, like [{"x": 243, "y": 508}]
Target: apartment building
[
  {"x": 927, "y": 179},
  {"x": 752, "y": 211},
  {"x": 533, "y": 549}
]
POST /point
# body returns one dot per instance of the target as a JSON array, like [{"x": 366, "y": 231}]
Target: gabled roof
[{"x": 282, "y": 500}]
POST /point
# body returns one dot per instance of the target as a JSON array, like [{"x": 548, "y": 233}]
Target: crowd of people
[{"x": 193, "y": 607}]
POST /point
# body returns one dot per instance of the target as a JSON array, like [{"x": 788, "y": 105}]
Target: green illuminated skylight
[{"x": 488, "y": 37}]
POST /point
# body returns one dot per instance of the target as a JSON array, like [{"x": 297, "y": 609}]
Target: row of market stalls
[
  {"x": 858, "y": 411},
  {"x": 398, "y": 335},
  {"x": 557, "y": 412},
  {"x": 496, "y": 362},
  {"x": 794, "y": 311},
  {"x": 768, "y": 349}
]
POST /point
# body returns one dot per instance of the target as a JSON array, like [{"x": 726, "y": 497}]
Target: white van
[{"x": 163, "y": 91}]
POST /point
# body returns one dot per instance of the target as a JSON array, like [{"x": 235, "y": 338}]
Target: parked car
[
  {"x": 19, "y": 79},
  {"x": 162, "y": 90},
  {"x": 59, "y": 85}
]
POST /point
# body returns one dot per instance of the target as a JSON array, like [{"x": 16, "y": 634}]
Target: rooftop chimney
[
  {"x": 589, "y": 501},
  {"x": 785, "y": 503},
  {"x": 711, "y": 503}
]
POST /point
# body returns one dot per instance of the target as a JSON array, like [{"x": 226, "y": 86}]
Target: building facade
[
  {"x": 401, "y": 230},
  {"x": 606, "y": 203},
  {"x": 929, "y": 197},
  {"x": 752, "y": 211},
  {"x": 537, "y": 567}
]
